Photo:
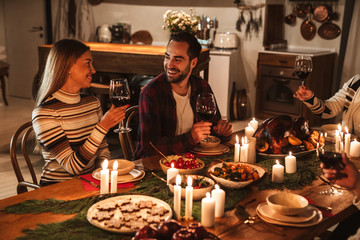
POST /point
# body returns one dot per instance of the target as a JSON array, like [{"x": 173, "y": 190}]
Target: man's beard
[{"x": 180, "y": 78}]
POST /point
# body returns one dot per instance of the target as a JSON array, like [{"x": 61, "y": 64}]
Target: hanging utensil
[
  {"x": 298, "y": 11},
  {"x": 321, "y": 13},
  {"x": 329, "y": 30},
  {"x": 290, "y": 19},
  {"x": 308, "y": 28}
]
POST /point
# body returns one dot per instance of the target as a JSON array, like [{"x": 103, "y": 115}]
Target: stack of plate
[
  {"x": 309, "y": 217},
  {"x": 219, "y": 149}
]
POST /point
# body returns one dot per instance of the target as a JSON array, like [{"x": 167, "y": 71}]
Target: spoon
[{"x": 329, "y": 209}]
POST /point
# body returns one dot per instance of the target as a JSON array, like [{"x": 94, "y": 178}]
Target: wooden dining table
[{"x": 228, "y": 227}]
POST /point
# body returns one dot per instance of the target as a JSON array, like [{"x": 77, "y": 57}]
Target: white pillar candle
[
  {"x": 252, "y": 150},
  {"x": 290, "y": 163},
  {"x": 177, "y": 197},
  {"x": 114, "y": 175},
  {"x": 254, "y": 124},
  {"x": 347, "y": 141},
  {"x": 249, "y": 131},
  {"x": 277, "y": 173},
  {"x": 237, "y": 150},
  {"x": 219, "y": 196},
  {"x": 104, "y": 178},
  {"x": 207, "y": 211},
  {"x": 355, "y": 148},
  {"x": 188, "y": 199},
  {"x": 171, "y": 173},
  {"x": 244, "y": 150}
]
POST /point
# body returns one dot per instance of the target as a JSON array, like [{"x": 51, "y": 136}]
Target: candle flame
[
  {"x": 237, "y": 139},
  {"x": 208, "y": 195},
  {"x": 290, "y": 153},
  {"x": 346, "y": 130},
  {"x": 172, "y": 165},
  {"x": 217, "y": 186},
  {"x": 178, "y": 180},
  {"x": 105, "y": 164},
  {"x": 253, "y": 119},
  {"x": 189, "y": 181},
  {"x": 277, "y": 162},
  {"x": 115, "y": 166}
]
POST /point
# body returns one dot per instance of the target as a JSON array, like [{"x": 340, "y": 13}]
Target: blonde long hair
[{"x": 62, "y": 56}]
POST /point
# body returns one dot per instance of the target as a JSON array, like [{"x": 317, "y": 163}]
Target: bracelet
[{"x": 356, "y": 202}]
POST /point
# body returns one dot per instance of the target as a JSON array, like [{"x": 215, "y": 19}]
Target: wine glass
[
  {"x": 332, "y": 160},
  {"x": 303, "y": 67},
  {"x": 206, "y": 108},
  {"x": 120, "y": 96}
]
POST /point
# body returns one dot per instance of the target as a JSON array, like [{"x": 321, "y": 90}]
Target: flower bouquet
[{"x": 180, "y": 21}]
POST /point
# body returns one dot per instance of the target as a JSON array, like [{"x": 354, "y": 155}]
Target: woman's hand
[
  {"x": 113, "y": 116},
  {"x": 223, "y": 128},
  {"x": 303, "y": 94},
  {"x": 200, "y": 130}
]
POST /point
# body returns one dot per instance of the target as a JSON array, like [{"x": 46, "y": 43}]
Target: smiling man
[{"x": 167, "y": 104}]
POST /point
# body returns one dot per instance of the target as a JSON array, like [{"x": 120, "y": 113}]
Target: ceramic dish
[
  {"x": 287, "y": 203},
  {"x": 213, "y": 142},
  {"x": 132, "y": 176},
  {"x": 296, "y": 154},
  {"x": 235, "y": 184},
  {"x": 219, "y": 149},
  {"x": 124, "y": 166},
  {"x": 198, "y": 193},
  {"x": 181, "y": 171},
  {"x": 118, "y": 213}
]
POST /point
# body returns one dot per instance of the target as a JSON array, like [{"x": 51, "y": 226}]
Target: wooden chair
[
  {"x": 128, "y": 140},
  {"x": 23, "y": 133}
]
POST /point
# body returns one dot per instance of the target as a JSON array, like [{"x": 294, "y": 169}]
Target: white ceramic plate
[
  {"x": 306, "y": 215},
  {"x": 315, "y": 220},
  {"x": 296, "y": 154},
  {"x": 219, "y": 149},
  {"x": 233, "y": 184},
  {"x": 124, "y": 166},
  {"x": 135, "y": 175},
  {"x": 118, "y": 214}
]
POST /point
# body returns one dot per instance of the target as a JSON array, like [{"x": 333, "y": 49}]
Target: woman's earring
[{"x": 69, "y": 75}]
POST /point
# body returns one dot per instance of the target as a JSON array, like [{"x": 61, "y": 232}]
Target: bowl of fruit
[
  {"x": 186, "y": 163},
  {"x": 201, "y": 185}
]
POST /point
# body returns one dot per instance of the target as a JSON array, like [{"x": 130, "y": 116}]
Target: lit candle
[
  {"x": 188, "y": 199},
  {"x": 341, "y": 132},
  {"x": 277, "y": 173},
  {"x": 347, "y": 141},
  {"x": 337, "y": 141},
  {"x": 104, "y": 179},
  {"x": 171, "y": 173},
  {"x": 219, "y": 196},
  {"x": 317, "y": 149},
  {"x": 252, "y": 150},
  {"x": 208, "y": 211},
  {"x": 244, "y": 149},
  {"x": 249, "y": 131},
  {"x": 355, "y": 149},
  {"x": 254, "y": 124},
  {"x": 290, "y": 163},
  {"x": 177, "y": 197},
  {"x": 237, "y": 150},
  {"x": 114, "y": 174}
]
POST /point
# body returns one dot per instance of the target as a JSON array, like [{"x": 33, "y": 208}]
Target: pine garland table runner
[{"x": 79, "y": 228}]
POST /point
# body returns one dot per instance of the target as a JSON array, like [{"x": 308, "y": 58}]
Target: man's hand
[
  {"x": 200, "y": 130},
  {"x": 223, "y": 128},
  {"x": 303, "y": 94}
]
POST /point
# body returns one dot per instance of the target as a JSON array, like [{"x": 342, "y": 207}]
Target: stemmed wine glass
[
  {"x": 206, "y": 108},
  {"x": 303, "y": 67},
  {"x": 331, "y": 160},
  {"x": 120, "y": 96}
]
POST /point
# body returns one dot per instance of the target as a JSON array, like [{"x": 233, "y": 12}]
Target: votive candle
[
  {"x": 355, "y": 148},
  {"x": 290, "y": 163},
  {"x": 254, "y": 124},
  {"x": 277, "y": 173}
]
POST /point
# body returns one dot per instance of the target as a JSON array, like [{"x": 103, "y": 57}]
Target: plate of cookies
[{"x": 128, "y": 213}]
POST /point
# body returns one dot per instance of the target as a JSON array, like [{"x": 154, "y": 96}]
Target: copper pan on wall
[
  {"x": 329, "y": 30},
  {"x": 308, "y": 29}
]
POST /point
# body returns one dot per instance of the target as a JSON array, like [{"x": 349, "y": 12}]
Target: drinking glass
[
  {"x": 120, "y": 96},
  {"x": 331, "y": 160},
  {"x": 206, "y": 108},
  {"x": 303, "y": 67}
]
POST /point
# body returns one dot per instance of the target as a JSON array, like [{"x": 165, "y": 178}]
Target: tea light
[
  {"x": 290, "y": 163},
  {"x": 188, "y": 199},
  {"x": 347, "y": 141},
  {"x": 244, "y": 149},
  {"x": 104, "y": 178},
  {"x": 277, "y": 173},
  {"x": 219, "y": 196},
  {"x": 254, "y": 124},
  {"x": 355, "y": 148},
  {"x": 177, "y": 197},
  {"x": 237, "y": 150},
  {"x": 171, "y": 173},
  {"x": 249, "y": 131},
  {"x": 208, "y": 211},
  {"x": 114, "y": 175}
]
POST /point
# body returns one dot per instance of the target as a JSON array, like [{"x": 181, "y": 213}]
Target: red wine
[
  {"x": 331, "y": 160},
  {"x": 206, "y": 116},
  {"x": 302, "y": 74},
  {"x": 120, "y": 101}
]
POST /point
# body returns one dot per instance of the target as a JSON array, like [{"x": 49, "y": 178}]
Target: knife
[
  {"x": 92, "y": 183},
  {"x": 242, "y": 214}
]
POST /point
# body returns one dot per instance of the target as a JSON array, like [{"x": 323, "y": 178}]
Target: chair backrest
[
  {"x": 23, "y": 133},
  {"x": 128, "y": 140}
]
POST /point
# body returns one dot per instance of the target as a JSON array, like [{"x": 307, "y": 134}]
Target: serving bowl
[
  {"x": 287, "y": 203},
  {"x": 194, "y": 170},
  {"x": 124, "y": 166},
  {"x": 212, "y": 142},
  {"x": 239, "y": 183},
  {"x": 198, "y": 193}
]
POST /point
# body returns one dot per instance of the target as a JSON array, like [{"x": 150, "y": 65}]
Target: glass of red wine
[
  {"x": 303, "y": 67},
  {"x": 332, "y": 160},
  {"x": 206, "y": 108},
  {"x": 120, "y": 96}
]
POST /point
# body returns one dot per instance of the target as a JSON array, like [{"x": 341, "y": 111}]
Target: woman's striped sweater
[{"x": 66, "y": 126}]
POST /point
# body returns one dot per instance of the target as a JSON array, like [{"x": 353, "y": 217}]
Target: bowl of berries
[{"x": 186, "y": 163}]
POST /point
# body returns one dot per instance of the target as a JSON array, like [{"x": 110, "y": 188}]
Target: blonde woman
[{"x": 70, "y": 126}]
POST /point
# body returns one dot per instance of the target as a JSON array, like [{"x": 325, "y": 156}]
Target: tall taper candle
[
  {"x": 104, "y": 178},
  {"x": 347, "y": 141},
  {"x": 177, "y": 197},
  {"x": 237, "y": 150},
  {"x": 188, "y": 199},
  {"x": 114, "y": 175},
  {"x": 208, "y": 211}
]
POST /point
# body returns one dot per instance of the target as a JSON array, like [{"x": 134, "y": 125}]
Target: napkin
[
  {"x": 326, "y": 214},
  {"x": 89, "y": 187}
]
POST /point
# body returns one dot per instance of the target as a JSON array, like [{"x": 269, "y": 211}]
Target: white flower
[{"x": 176, "y": 21}]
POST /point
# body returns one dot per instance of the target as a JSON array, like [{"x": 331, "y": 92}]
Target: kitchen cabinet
[{"x": 277, "y": 82}]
